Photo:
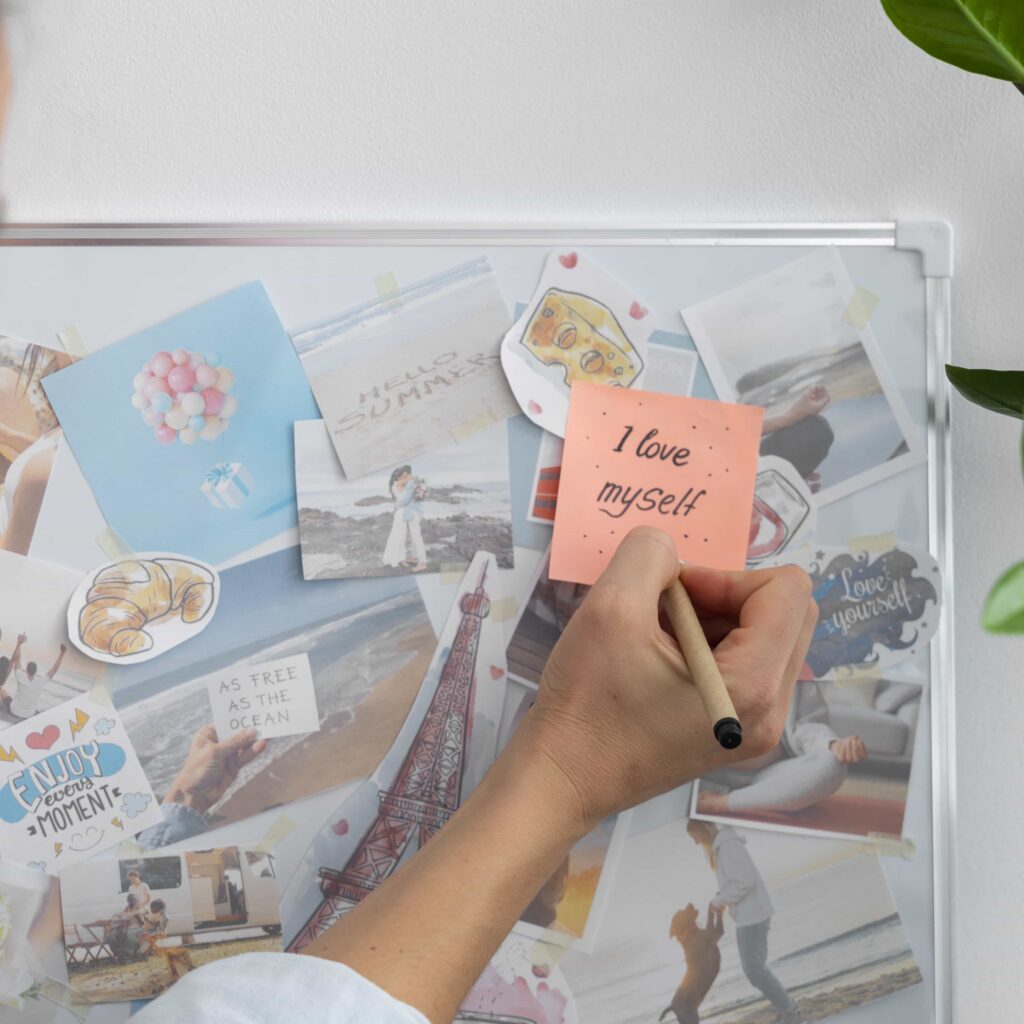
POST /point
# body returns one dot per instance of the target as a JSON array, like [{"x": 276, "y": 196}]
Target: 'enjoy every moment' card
[
  {"x": 70, "y": 786},
  {"x": 632, "y": 458}
]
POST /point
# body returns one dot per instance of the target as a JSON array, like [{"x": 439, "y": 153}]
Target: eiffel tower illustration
[{"x": 426, "y": 792}]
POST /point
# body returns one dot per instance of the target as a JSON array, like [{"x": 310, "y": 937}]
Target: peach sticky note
[{"x": 685, "y": 465}]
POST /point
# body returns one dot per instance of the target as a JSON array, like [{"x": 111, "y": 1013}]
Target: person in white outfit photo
[{"x": 407, "y": 493}]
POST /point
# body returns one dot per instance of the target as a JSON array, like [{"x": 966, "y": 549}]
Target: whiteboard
[{"x": 112, "y": 281}]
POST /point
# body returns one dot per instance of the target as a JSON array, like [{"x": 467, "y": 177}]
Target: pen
[{"x": 702, "y": 665}]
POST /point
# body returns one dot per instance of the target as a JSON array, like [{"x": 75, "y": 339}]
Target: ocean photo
[{"x": 368, "y": 646}]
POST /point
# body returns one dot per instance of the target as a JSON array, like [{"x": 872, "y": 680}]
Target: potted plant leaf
[{"x": 985, "y": 37}]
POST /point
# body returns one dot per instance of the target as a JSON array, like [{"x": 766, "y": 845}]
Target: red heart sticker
[
  {"x": 534, "y": 407},
  {"x": 43, "y": 740},
  {"x": 638, "y": 312},
  {"x": 496, "y": 672},
  {"x": 340, "y": 828},
  {"x": 568, "y": 260}
]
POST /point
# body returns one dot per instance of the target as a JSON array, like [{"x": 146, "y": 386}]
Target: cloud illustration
[
  {"x": 104, "y": 726},
  {"x": 82, "y": 841},
  {"x": 135, "y": 804}
]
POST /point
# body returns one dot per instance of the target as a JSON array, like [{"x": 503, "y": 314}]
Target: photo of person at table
[{"x": 29, "y": 435}]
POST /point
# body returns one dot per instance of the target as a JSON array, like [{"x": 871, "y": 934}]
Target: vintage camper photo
[{"x": 134, "y": 926}]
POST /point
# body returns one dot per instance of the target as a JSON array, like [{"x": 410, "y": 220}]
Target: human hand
[
  {"x": 22, "y": 637},
  {"x": 211, "y": 766},
  {"x": 849, "y": 750},
  {"x": 617, "y": 718},
  {"x": 810, "y": 403}
]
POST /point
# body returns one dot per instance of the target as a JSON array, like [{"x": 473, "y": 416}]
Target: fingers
[
  {"x": 239, "y": 741},
  {"x": 243, "y": 757},
  {"x": 717, "y": 592},
  {"x": 644, "y": 564},
  {"x": 764, "y": 654},
  {"x": 207, "y": 733}
]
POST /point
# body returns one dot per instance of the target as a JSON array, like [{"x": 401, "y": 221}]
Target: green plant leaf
[
  {"x": 983, "y": 36},
  {"x": 1004, "y": 606},
  {"x": 1001, "y": 391}
]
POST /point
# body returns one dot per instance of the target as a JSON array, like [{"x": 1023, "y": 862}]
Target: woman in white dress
[
  {"x": 28, "y": 444},
  {"x": 405, "y": 523}
]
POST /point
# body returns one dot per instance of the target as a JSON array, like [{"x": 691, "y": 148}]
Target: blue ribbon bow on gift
[{"x": 219, "y": 473}]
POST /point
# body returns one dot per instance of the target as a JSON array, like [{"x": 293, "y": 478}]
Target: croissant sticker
[{"x": 132, "y": 610}]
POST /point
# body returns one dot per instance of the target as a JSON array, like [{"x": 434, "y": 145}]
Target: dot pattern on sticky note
[{"x": 684, "y": 465}]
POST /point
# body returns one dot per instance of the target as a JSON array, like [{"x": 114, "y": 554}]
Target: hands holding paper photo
[{"x": 210, "y": 767}]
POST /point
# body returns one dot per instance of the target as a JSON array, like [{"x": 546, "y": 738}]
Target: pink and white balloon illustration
[{"x": 183, "y": 396}]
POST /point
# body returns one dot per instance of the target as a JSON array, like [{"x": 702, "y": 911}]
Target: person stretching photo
[{"x": 29, "y": 685}]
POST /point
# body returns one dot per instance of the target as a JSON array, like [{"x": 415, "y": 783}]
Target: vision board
[{"x": 858, "y": 404}]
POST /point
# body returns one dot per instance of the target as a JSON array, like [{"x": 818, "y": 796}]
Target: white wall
[{"x": 521, "y": 110}]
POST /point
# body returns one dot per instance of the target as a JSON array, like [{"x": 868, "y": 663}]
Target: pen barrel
[{"x": 697, "y": 654}]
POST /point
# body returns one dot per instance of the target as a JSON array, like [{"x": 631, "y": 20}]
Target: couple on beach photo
[{"x": 407, "y": 493}]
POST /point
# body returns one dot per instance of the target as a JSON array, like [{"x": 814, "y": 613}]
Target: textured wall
[{"x": 522, "y": 110}]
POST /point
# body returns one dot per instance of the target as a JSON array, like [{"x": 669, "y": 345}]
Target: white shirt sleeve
[{"x": 269, "y": 988}]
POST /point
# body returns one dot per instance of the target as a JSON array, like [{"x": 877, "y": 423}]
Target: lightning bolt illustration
[
  {"x": 57, "y": 847},
  {"x": 79, "y": 722},
  {"x": 117, "y": 823},
  {"x": 9, "y": 754}
]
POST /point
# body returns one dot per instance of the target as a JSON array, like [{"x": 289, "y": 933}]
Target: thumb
[{"x": 643, "y": 565}]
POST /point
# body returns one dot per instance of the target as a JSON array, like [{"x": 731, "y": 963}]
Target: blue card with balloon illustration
[{"x": 184, "y": 430}]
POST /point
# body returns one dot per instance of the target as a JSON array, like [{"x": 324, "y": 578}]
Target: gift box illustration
[{"x": 227, "y": 485}]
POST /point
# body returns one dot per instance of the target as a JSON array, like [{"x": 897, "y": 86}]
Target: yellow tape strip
[
  {"x": 281, "y": 827},
  {"x": 99, "y": 694},
  {"x": 892, "y": 846},
  {"x": 129, "y": 849},
  {"x": 57, "y": 992},
  {"x": 544, "y": 956},
  {"x": 388, "y": 290},
  {"x": 114, "y": 545},
  {"x": 473, "y": 426},
  {"x": 873, "y": 543},
  {"x": 73, "y": 342},
  {"x": 861, "y": 307},
  {"x": 452, "y": 572},
  {"x": 504, "y": 609},
  {"x": 856, "y": 675}
]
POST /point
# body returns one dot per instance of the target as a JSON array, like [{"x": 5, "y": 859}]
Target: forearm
[
  {"x": 426, "y": 935},
  {"x": 773, "y": 423}
]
